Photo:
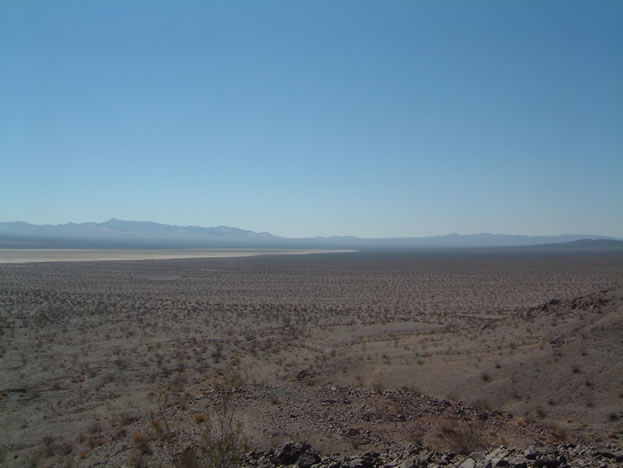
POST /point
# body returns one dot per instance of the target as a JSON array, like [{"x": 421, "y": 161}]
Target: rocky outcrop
[
  {"x": 570, "y": 455},
  {"x": 555, "y": 307}
]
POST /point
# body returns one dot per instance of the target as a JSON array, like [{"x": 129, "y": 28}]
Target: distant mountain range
[{"x": 116, "y": 233}]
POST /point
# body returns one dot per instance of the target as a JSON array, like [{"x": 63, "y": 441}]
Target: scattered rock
[
  {"x": 290, "y": 453},
  {"x": 302, "y": 455},
  {"x": 468, "y": 463},
  {"x": 307, "y": 459}
]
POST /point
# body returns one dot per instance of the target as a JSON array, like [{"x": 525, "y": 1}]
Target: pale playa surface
[{"x": 88, "y": 255}]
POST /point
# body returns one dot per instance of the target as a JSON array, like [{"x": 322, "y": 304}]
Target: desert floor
[{"x": 346, "y": 351}]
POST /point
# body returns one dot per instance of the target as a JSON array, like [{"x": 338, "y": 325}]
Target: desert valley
[{"x": 416, "y": 358}]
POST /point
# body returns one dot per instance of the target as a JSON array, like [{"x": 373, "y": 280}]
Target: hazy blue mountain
[
  {"x": 149, "y": 227},
  {"x": 585, "y": 244},
  {"x": 148, "y": 234}
]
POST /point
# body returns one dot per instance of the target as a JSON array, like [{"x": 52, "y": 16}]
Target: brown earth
[{"x": 337, "y": 350}]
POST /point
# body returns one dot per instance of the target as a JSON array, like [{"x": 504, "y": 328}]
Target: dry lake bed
[{"x": 86, "y": 255}]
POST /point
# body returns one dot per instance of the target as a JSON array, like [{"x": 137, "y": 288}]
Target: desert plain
[{"x": 114, "y": 363}]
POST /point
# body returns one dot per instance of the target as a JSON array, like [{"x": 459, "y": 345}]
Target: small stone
[
  {"x": 307, "y": 459},
  {"x": 468, "y": 463}
]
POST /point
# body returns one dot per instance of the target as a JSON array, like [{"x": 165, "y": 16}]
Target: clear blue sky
[{"x": 381, "y": 118}]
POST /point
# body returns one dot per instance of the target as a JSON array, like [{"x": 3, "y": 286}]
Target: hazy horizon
[
  {"x": 509, "y": 234},
  {"x": 305, "y": 119}
]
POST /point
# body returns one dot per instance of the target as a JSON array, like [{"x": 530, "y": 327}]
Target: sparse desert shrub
[
  {"x": 482, "y": 404},
  {"x": 120, "y": 433},
  {"x": 188, "y": 459},
  {"x": 95, "y": 428},
  {"x": 158, "y": 420},
  {"x": 155, "y": 424},
  {"x": 224, "y": 443},
  {"x": 558, "y": 431},
  {"x": 410, "y": 388},
  {"x": 461, "y": 438},
  {"x": 93, "y": 441},
  {"x": 48, "y": 446},
  {"x": 138, "y": 460},
  {"x": 485, "y": 377},
  {"x": 53, "y": 446},
  {"x": 125, "y": 419},
  {"x": 141, "y": 443},
  {"x": 65, "y": 448}
]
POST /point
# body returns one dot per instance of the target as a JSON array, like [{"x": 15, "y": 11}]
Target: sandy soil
[
  {"x": 526, "y": 348},
  {"x": 91, "y": 255}
]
